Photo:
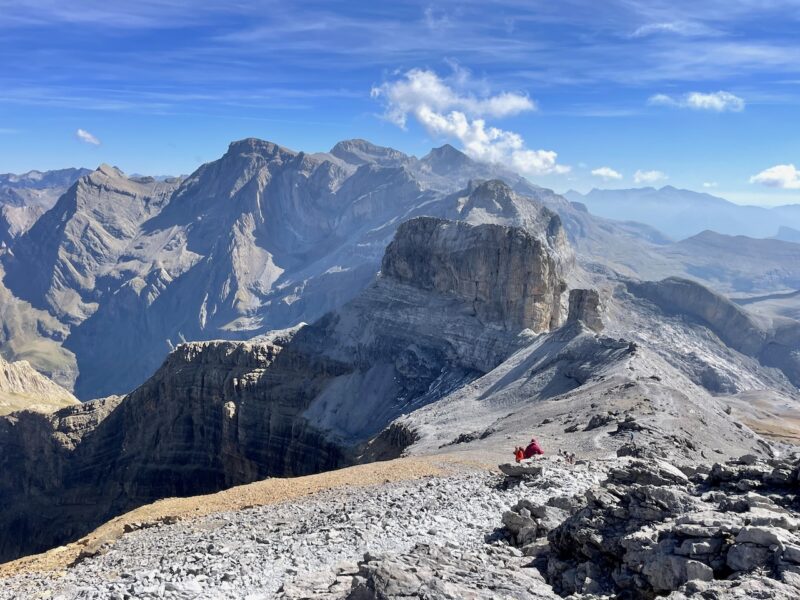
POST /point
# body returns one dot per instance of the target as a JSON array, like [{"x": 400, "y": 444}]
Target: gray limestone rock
[
  {"x": 584, "y": 305},
  {"x": 504, "y": 275}
]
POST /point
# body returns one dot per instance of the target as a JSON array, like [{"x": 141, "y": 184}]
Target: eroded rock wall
[{"x": 504, "y": 273}]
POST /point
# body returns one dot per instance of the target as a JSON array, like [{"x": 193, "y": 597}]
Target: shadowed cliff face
[
  {"x": 213, "y": 416},
  {"x": 218, "y": 414}
]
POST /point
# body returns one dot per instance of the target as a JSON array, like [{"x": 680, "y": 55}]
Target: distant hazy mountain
[
  {"x": 788, "y": 234},
  {"x": 683, "y": 213}
]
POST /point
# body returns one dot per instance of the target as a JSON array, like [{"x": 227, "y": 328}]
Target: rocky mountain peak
[
  {"x": 23, "y": 388},
  {"x": 110, "y": 171},
  {"x": 42, "y": 180},
  {"x": 445, "y": 159},
  {"x": 256, "y": 146},
  {"x": 359, "y": 152}
]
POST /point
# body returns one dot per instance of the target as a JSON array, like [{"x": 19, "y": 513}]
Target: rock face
[
  {"x": 210, "y": 418},
  {"x": 506, "y": 274},
  {"x": 218, "y": 414},
  {"x": 584, "y": 306},
  {"x": 650, "y": 530},
  {"x": 23, "y": 388},
  {"x": 36, "y": 451}
]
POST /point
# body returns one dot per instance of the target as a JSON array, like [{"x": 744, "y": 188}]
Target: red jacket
[{"x": 533, "y": 449}]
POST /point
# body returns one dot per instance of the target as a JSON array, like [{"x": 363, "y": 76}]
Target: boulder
[{"x": 522, "y": 469}]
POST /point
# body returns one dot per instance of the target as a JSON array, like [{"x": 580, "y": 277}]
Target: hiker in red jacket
[
  {"x": 533, "y": 449},
  {"x": 519, "y": 453}
]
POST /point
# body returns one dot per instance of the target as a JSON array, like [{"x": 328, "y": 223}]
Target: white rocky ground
[
  {"x": 620, "y": 527},
  {"x": 296, "y": 549}
]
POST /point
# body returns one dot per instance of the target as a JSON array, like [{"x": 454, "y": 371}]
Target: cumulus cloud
[
  {"x": 716, "y": 101},
  {"x": 87, "y": 137},
  {"x": 649, "y": 176},
  {"x": 446, "y": 111},
  {"x": 606, "y": 173},
  {"x": 786, "y": 177},
  {"x": 710, "y": 184}
]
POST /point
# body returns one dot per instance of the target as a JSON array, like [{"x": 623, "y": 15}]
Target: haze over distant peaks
[{"x": 683, "y": 213}]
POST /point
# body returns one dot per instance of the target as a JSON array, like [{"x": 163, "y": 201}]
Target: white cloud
[
  {"x": 436, "y": 21},
  {"x": 682, "y": 28},
  {"x": 786, "y": 177},
  {"x": 87, "y": 137},
  {"x": 649, "y": 176},
  {"x": 662, "y": 100},
  {"x": 710, "y": 184},
  {"x": 444, "y": 111},
  {"x": 606, "y": 173},
  {"x": 422, "y": 88},
  {"x": 717, "y": 101}
]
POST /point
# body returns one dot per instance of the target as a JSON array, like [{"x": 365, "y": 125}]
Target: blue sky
[{"x": 697, "y": 95}]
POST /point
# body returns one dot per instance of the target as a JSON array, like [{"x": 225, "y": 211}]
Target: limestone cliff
[
  {"x": 504, "y": 273},
  {"x": 585, "y": 306}
]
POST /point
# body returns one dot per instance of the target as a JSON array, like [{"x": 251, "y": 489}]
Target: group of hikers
[{"x": 534, "y": 449}]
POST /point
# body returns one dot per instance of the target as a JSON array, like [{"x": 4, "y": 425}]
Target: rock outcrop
[
  {"x": 650, "y": 529},
  {"x": 584, "y": 306},
  {"x": 505, "y": 274},
  {"x": 23, "y": 388}
]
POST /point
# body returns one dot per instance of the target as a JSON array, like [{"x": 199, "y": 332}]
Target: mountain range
[
  {"x": 266, "y": 237},
  {"x": 681, "y": 213}
]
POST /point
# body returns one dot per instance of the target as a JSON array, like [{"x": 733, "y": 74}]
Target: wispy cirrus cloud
[
  {"x": 447, "y": 112},
  {"x": 786, "y": 177},
  {"x": 606, "y": 173},
  {"x": 649, "y": 176},
  {"x": 87, "y": 137},
  {"x": 715, "y": 101},
  {"x": 143, "y": 14},
  {"x": 680, "y": 28}
]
